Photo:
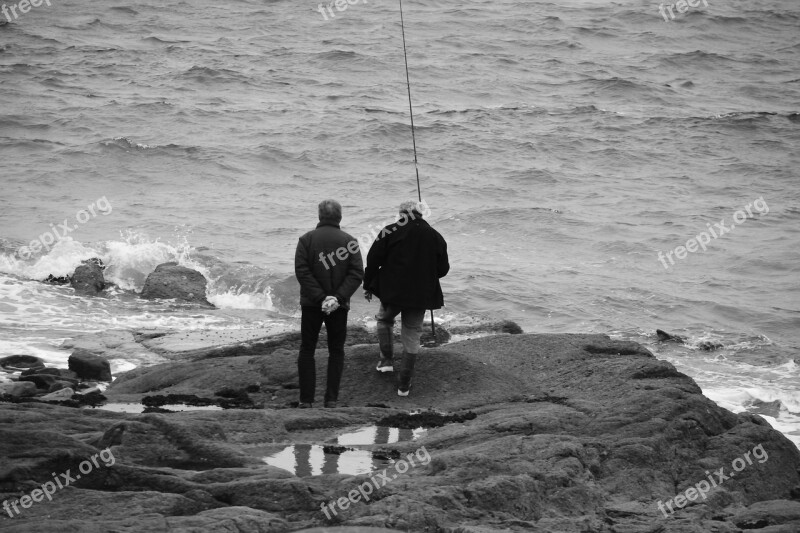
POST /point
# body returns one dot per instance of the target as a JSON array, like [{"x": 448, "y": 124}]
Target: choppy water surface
[{"x": 562, "y": 146}]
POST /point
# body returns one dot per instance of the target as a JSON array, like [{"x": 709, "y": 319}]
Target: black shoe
[
  {"x": 330, "y": 405},
  {"x": 303, "y": 405}
]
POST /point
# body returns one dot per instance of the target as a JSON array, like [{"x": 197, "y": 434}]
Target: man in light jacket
[{"x": 329, "y": 267}]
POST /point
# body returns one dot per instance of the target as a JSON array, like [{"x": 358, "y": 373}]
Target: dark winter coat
[
  {"x": 405, "y": 263},
  {"x": 328, "y": 263}
]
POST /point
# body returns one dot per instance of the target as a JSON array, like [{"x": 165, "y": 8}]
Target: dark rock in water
[
  {"x": 57, "y": 280},
  {"x": 96, "y": 261},
  {"x": 88, "y": 278},
  {"x": 663, "y": 336},
  {"x": 89, "y": 366},
  {"x": 709, "y": 346},
  {"x": 18, "y": 389},
  {"x": 172, "y": 281},
  {"x": 16, "y": 363}
]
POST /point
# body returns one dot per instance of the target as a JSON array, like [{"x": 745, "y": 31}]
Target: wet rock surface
[
  {"x": 89, "y": 366},
  {"x": 88, "y": 278},
  {"x": 170, "y": 280},
  {"x": 541, "y": 433}
]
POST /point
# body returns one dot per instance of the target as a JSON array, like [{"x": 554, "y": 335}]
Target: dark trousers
[{"x": 310, "y": 324}]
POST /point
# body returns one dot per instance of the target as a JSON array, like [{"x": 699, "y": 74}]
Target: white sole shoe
[
  {"x": 384, "y": 367},
  {"x": 401, "y": 393}
]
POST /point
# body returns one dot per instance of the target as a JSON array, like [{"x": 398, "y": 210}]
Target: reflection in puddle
[
  {"x": 311, "y": 460},
  {"x": 379, "y": 435},
  {"x": 136, "y": 408}
]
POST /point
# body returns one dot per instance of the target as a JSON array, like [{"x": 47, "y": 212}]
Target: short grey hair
[
  {"x": 412, "y": 207},
  {"x": 330, "y": 210}
]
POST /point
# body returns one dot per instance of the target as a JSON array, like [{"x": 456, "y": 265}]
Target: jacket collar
[{"x": 328, "y": 222}]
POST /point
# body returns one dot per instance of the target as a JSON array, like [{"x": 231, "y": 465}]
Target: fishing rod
[{"x": 413, "y": 135}]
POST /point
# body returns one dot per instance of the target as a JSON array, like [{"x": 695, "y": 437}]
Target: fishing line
[{"x": 413, "y": 135}]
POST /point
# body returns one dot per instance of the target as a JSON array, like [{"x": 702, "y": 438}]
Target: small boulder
[
  {"x": 89, "y": 366},
  {"x": 58, "y": 385},
  {"x": 710, "y": 345},
  {"x": 15, "y": 363},
  {"x": 663, "y": 336},
  {"x": 42, "y": 381},
  {"x": 88, "y": 278},
  {"x": 172, "y": 281},
  {"x": 57, "y": 280},
  {"x": 53, "y": 371},
  {"x": 59, "y": 395},
  {"x": 18, "y": 389}
]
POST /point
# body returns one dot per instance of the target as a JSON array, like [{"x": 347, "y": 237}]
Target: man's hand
[
  {"x": 330, "y": 304},
  {"x": 368, "y": 296}
]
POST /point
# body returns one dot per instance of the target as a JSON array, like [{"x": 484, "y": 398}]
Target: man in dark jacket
[
  {"x": 329, "y": 267},
  {"x": 404, "y": 265}
]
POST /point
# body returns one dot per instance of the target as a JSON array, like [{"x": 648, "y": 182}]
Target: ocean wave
[
  {"x": 338, "y": 55},
  {"x": 128, "y": 145},
  {"x": 695, "y": 59},
  {"x": 499, "y": 108},
  {"x": 124, "y": 9},
  {"x": 158, "y": 40},
  {"x": 16, "y": 121},
  {"x": 208, "y": 74},
  {"x": 129, "y": 261},
  {"x": 734, "y": 118}
]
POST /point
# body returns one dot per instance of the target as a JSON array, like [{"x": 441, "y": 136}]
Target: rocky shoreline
[{"x": 571, "y": 433}]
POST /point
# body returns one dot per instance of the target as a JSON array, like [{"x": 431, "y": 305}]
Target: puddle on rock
[
  {"x": 305, "y": 460},
  {"x": 137, "y": 408},
  {"x": 379, "y": 435}
]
